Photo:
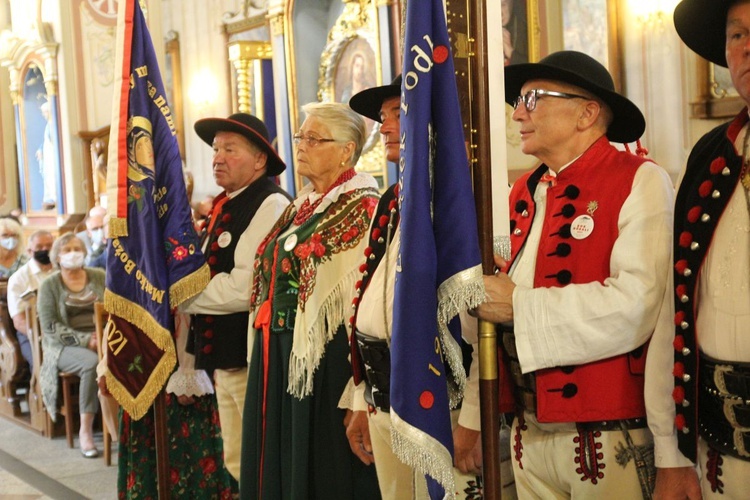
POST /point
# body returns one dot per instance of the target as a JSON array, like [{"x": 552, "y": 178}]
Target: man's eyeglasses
[
  {"x": 310, "y": 140},
  {"x": 529, "y": 98}
]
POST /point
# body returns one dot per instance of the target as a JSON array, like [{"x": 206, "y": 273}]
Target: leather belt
[
  {"x": 724, "y": 406},
  {"x": 613, "y": 425},
  {"x": 376, "y": 356}
]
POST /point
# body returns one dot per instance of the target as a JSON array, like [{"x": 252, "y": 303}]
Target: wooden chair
[{"x": 69, "y": 408}]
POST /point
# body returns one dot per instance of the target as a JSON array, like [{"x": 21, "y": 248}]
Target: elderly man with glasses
[{"x": 578, "y": 300}]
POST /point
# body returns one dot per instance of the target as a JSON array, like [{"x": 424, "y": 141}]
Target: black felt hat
[
  {"x": 585, "y": 72},
  {"x": 369, "y": 101},
  {"x": 702, "y": 26},
  {"x": 249, "y": 126}
]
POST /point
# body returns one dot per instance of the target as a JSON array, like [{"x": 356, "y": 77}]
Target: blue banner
[
  {"x": 154, "y": 260},
  {"x": 439, "y": 272}
]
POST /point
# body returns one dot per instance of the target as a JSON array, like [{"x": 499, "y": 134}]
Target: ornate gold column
[{"x": 243, "y": 54}]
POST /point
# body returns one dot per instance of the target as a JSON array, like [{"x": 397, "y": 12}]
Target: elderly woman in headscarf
[{"x": 294, "y": 439}]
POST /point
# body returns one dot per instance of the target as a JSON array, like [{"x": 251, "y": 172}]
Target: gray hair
[
  {"x": 9, "y": 224},
  {"x": 59, "y": 243},
  {"x": 344, "y": 123}
]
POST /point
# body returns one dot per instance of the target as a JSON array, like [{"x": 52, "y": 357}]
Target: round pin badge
[
  {"x": 225, "y": 239},
  {"x": 290, "y": 243},
  {"x": 582, "y": 227}
]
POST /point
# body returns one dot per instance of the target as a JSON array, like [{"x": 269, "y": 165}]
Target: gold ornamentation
[{"x": 592, "y": 207}]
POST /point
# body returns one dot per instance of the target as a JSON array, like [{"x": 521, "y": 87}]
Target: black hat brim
[
  {"x": 370, "y": 101},
  {"x": 628, "y": 123},
  {"x": 208, "y": 127},
  {"x": 702, "y": 25}
]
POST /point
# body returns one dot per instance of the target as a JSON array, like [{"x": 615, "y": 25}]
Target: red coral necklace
[{"x": 307, "y": 208}]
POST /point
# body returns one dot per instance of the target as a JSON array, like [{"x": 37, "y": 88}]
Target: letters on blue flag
[
  {"x": 439, "y": 255},
  {"x": 154, "y": 261}
]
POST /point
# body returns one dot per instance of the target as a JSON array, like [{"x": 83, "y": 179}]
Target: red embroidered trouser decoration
[
  {"x": 589, "y": 456},
  {"x": 263, "y": 320},
  {"x": 518, "y": 445},
  {"x": 713, "y": 470}
]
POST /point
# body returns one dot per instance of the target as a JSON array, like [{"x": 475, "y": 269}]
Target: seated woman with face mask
[
  {"x": 12, "y": 255},
  {"x": 66, "y": 314}
]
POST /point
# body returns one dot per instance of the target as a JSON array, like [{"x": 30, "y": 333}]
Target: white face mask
[
  {"x": 71, "y": 260},
  {"x": 9, "y": 243},
  {"x": 97, "y": 237}
]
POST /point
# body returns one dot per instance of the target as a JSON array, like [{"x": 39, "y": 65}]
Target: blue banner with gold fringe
[
  {"x": 154, "y": 262},
  {"x": 439, "y": 272}
]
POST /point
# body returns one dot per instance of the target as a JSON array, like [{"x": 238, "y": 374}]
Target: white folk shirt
[
  {"x": 375, "y": 318},
  {"x": 27, "y": 278},
  {"x": 723, "y": 302}
]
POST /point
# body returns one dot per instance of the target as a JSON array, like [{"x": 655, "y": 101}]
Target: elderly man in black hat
[
  {"x": 242, "y": 215},
  {"x": 369, "y": 428},
  {"x": 698, "y": 371},
  {"x": 579, "y": 297}
]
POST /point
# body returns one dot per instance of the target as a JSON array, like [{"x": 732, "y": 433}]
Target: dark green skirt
[{"x": 305, "y": 453}]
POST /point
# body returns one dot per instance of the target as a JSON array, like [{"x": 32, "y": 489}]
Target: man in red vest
[
  {"x": 579, "y": 298},
  {"x": 698, "y": 371}
]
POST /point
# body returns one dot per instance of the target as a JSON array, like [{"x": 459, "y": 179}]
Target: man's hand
[
  {"x": 677, "y": 483},
  {"x": 498, "y": 305},
  {"x": 467, "y": 447},
  {"x": 358, "y": 433}
]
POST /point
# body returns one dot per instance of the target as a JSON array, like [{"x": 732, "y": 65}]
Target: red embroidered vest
[{"x": 596, "y": 186}]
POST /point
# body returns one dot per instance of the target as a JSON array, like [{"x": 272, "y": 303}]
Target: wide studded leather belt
[
  {"x": 724, "y": 406},
  {"x": 376, "y": 356}
]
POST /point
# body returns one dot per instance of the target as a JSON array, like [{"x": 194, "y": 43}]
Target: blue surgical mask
[{"x": 9, "y": 243}]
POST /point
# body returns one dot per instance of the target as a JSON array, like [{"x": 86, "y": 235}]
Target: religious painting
[
  {"x": 39, "y": 155},
  {"x": 355, "y": 70},
  {"x": 515, "y": 31}
]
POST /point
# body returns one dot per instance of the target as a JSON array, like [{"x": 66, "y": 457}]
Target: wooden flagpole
[
  {"x": 481, "y": 160},
  {"x": 162, "y": 445}
]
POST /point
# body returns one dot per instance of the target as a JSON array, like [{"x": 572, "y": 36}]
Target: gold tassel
[{"x": 118, "y": 226}]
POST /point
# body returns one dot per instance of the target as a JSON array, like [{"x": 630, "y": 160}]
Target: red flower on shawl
[
  {"x": 185, "y": 430},
  {"x": 369, "y": 203},
  {"x": 131, "y": 480},
  {"x": 303, "y": 251},
  {"x": 317, "y": 247},
  {"x": 352, "y": 233},
  {"x": 174, "y": 476}
]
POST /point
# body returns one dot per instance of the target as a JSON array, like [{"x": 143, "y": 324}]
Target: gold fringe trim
[
  {"x": 462, "y": 291},
  {"x": 139, "y": 405},
  {"x": 189, "y": 286},
  {"x": 140, "y": 317},
  {"x": 118, "y": 226},
  {"x": 423, "y": 452}
]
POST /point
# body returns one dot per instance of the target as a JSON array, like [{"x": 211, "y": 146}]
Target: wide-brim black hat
[
  {"x": 702, "y": 26},
  {"x": 369, "y": 101},
  {"x": 249, "y": 126},
  {"x": 585, "y": 72}
]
